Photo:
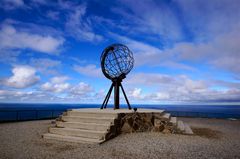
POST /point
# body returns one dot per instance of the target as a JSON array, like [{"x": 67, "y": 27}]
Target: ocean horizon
[{"x": 34, "y": 111}]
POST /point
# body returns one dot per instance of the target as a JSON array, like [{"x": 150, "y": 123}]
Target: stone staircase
[
  {"x": 96, "y": 126},
  {"x": 82, "y": 127}
]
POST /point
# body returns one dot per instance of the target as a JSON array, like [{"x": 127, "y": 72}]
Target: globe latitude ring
[{"x": 116, "y": 61}]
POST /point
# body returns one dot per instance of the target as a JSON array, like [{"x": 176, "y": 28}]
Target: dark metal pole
[
  {"x": 116, "y": 83},
  {"x": 129, "y": 107},
  {"x": 116, "y": 94},
  {"x": 107, "y": 97},
  {"x": 110, "y": 92}
]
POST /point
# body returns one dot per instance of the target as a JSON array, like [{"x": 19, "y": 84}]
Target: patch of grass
[{"x": 207, "y": 133}]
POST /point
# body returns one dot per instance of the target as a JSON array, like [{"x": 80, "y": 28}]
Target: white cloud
[
  {"x": 179, "y": 89},
  {"x": 78, "y": 26},
  {"x": 149, "y": 79},
  {"x": 165, "y": 87},
  {"x": 89, "y": 70},
  {"x": 9, "y": 55},
  {"x": 136, "y": 93},
  {"x": 14, "y": 39},
  {"x": 149, "y": 87},
  {"x": 151, "y": 17},
  {"x": 222, "y": 52},
  {"x": 67, "y": 91},
  {"x": 57, "y": 88},
  {"x": 206, "y": 19},
  {"x": 207, "y": 33},
  {"x": 81, "y": 89},
  {"x": 45, "y": 96},
  {"x": 145, "y": 54},
  {"x": 23, "y": 76},
  {"x": 159, "y": 96},
  {"x": 56, "y": 84},
  {"x": 180, "y": 19},
  {"x": 44, "y": 62},
  {"x": 59, "y": 79},
  {"x": 27, "y": 96},
  {"x": 45, "y": 65},
  {"x": 101, "y": 94}
]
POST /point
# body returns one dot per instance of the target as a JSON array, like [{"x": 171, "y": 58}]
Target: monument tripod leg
[
  {"x": 110, "y": 92},
  {"x": 116, "y": 85},
  {"x": 129, "y": 106},
  {"x": 116, "y": 94},
  {"x": 107, "y": 97}
]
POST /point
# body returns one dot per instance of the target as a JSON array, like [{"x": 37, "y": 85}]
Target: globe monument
[
  {"x": 94, "y": 125},
  {"x": 116, "y": 62}
]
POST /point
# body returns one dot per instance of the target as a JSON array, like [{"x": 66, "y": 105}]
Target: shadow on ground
[{"x": 207, "y": 133}]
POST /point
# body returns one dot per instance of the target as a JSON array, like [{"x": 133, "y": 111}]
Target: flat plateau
[{"x": 214, "y": 138}]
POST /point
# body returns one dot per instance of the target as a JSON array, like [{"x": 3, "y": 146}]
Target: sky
[{"x": 185, "y": 51}]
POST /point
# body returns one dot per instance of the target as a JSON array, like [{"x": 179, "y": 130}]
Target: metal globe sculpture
[{"x": 116, "y": 62}]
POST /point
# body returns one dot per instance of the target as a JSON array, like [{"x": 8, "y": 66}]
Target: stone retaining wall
[{"x": 141, "y": 122}]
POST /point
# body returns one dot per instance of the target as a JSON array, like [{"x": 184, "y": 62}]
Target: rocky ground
[{"x": 214, "y": 138}]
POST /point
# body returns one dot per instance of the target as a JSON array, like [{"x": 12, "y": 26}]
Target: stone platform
[{"x": 96, "y": 125}]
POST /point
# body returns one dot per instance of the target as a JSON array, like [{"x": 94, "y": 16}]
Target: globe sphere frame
[{"x": 116, "y": 61}]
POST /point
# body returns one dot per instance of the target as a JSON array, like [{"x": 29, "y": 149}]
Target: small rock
[
  {"x": 126, "y": 128},
  {"x": 166, "y": 131},
  {"x": 159, "y": 128}
]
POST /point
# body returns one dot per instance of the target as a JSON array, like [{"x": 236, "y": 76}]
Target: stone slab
[
  {"x": 117, "y": 111},
  {"x": 102, "y": 120},
  {"x": 180, "y": 125},
  {"x": 71, "y": 138},
  {"x": 173, "y": 120},
  {"x": 80, "y": 125},
  {"x": 187, "y": 129},
  {"x": 78, "y": 132}
]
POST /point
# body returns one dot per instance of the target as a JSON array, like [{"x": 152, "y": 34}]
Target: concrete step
[
  {"x": 93, "y": 134},
  {"x": 91, "y": 114},
  {"x": 187, "y": 129},
  {"x": 103, "y": 120},
  {"x": 173, "y": 121},
  {"x": 166, "y": 116},
  {"x": 71, "y": 138},
  {"x": 180, "y": 126},
  {"x": 80, "y": 125}
]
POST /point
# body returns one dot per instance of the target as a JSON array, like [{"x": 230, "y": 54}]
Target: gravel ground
[{"x": 215, "y": 138}]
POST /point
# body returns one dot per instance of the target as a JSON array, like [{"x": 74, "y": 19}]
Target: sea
[{"x": 22, "y": 112}]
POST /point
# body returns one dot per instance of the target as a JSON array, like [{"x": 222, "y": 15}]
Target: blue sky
[{"x": 185, "y": 51}]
